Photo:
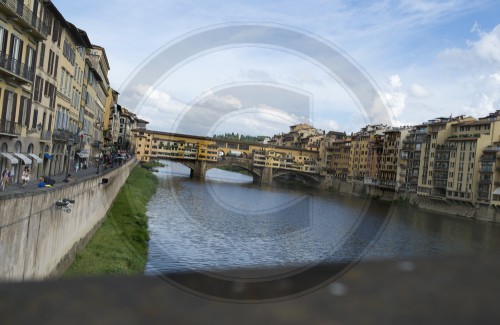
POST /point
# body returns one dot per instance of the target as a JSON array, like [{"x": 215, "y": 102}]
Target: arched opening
[
  {"x": 4, "y": 147},
  {"x": 18, "y": 147},
  {"x": 291, "y": 178},
  {"x": 31, "y": 148}
]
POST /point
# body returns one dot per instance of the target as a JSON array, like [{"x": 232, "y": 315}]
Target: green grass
[
  {"x": 120, "y": 245},
  {"x": 151, "y": 165}
]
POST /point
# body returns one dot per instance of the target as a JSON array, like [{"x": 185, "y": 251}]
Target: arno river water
[{"x": 226, "y": 222}]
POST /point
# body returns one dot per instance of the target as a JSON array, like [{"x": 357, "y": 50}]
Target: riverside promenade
[{"x": 82, "y": 174}]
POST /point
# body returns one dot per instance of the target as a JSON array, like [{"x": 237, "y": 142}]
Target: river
[{"x": 227, "y": 222}]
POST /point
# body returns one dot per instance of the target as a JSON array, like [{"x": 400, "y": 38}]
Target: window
[
  {"x": 61, "y": 83},
  {"x": 9, "y": 108},
  {"x": 30, "y": 58},
  {"x": 15, "y": 52},
  {"x": 37, "y": 95},
  {"x": 50, "y": 67},
  {"x": 68, "y": 52},
  {"x": 42, "y": 55},
  {"x": 23, "y": 111},
  {"x": 3, "y": 38},
  {"x": 35, "y": 119}
]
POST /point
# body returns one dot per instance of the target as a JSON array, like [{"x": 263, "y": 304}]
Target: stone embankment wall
[
  {"x": 451, "y": 207},
  {"x": 37, "y": 240}
]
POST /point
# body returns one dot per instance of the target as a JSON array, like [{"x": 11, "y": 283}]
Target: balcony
[
  {"x": 485, "y": 181},
  {"x": 25, "y": 18},
  {"x": 46, "y": 135},
  {"x": 488, "y": 158},
  {"x": 10, "y": 128},
  {"x": 15, "y": 68},
  {"x": 492, "y": 149},
  {"x": 62, "y": 135}
]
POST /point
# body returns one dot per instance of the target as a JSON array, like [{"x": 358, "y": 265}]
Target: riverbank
[
  {"x": 456, "y": 208},
  {"x": 120, "y": 245}
]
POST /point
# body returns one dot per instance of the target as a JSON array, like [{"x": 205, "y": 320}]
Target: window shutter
[
  {"x": 20, "y": 115},
  {"x": 57, "y": 63},
  {"x": 28, "y": 114},
  {"x": 4, "y": 109},
  {"x": 5, "y": 100},
  {"x": 4, "y": 45},
  {"x": 35, "y": 57},
  {"x": 14, "y": 107},
  {"x": 21, "y": 44},
  {"x": 11, "y": 47},
  {"x": 35, "y": 118},
  {"x": 42, "y": 55}
]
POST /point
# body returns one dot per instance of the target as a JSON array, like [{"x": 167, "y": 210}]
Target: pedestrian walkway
[{"x": 33, "y": 183}]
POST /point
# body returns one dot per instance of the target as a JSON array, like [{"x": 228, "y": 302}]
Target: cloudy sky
[{"x": 202, "y": 67}]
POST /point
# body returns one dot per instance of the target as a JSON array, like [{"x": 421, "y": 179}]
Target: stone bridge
[{"x": 261, "y": 174}]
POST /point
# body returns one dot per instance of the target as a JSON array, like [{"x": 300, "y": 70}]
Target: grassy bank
[{"x": 120, "y": 245}]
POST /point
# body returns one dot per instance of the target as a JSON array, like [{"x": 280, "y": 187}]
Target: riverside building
[{"x": 53, "y": 90}]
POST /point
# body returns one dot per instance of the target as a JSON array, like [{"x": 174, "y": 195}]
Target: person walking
[
  {"x": 26, "y": 176},
  {"x": 5, "y": 179}
]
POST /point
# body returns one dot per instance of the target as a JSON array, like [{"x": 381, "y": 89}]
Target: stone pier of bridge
[
  {"x": 199, "y": 170},
  {"x": 263, "y": 175}
]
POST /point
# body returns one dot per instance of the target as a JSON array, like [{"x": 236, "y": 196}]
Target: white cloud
[
  {"x": 485, "y": 50},
  {"x": 332, "y": 125},
  {"x": 395, "y": 81},
  {"x": 487, "y": 96},
  {"x": 221, "y": 102},
  {"x": 418, "y": 91},
  {"x": 488, "y": 46}
]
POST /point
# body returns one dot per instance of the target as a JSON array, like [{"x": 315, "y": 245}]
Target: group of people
[
  {"x": 7, "y": 177},
  {"x": 45, "y": 181}
]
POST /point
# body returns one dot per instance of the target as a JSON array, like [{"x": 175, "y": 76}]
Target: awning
[
  {"x": 26, "y": 160},
  {"x": 83, "y": 155},
  {"x": 10, "y": 157},
  {"x": 496, "y": 191},
  {"x": 46, "y": 155},
  {"x": 38, "y": 159}
]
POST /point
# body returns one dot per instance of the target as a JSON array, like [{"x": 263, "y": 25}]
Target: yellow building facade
[{"x": 23, "y": 136}]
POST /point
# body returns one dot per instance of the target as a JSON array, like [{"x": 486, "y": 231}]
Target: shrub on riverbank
[
  {"x": 151, "y": 165},
  {"x": 120, "y": 245}
]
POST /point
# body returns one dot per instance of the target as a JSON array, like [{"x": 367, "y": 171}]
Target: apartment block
[
  {"x": 23, "y": 134},
  {"x": 54, "y": 89},
  {"x": 391, "y": 170},
  {"x": 469, "y": 176},
  {"x": 358, "y": 160}
]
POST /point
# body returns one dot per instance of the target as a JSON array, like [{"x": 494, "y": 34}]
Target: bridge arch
[
  {"x": 255, "y": 173},
  {"x": 313, "y": 178},
  {"x": 185, "y": 162}
]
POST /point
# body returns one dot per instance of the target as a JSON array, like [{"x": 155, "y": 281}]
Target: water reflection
[{"x": 226, "y": 222}]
